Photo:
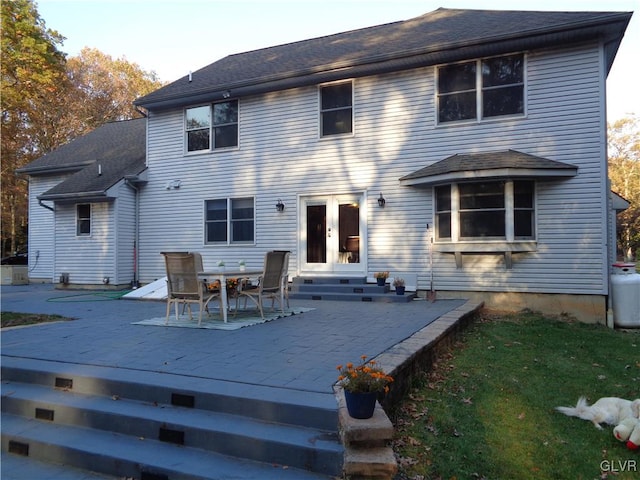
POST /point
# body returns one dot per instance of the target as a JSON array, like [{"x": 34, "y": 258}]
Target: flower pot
[
  {"x": 361, "y": 405},
  {"x": 381, "y": 281},
  {"x": 400, "y": 290}
]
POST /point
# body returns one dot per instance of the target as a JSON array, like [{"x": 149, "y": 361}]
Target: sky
[{"x": 174, "y": 37}]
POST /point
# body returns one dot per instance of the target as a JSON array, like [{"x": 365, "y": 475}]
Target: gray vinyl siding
[
  {"x": 280, "y": 156},
  {"x": 124, "y": 223},
  {"x": 41, "y": 227},
  {"x": 87, "y": 259}
]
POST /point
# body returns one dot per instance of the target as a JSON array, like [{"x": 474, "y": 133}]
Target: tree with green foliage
[
  {"x": 32, "y": 67},
  {"x": 48, "y": 100},
  {"x": 624, "y": 172}
]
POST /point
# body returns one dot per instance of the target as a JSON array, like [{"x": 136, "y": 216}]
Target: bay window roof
[{"x": 490, "y": 165}]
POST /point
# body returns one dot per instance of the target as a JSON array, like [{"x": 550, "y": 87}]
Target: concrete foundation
[{"x": 585, "y": 308}]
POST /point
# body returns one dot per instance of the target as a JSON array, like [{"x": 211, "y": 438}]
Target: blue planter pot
[
  {"x": 361, "y": 405},
  {"x": 381, "y": 281},
  {"x": 400, "y": 290}
]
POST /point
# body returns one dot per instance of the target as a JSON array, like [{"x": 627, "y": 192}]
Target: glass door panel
[{"x": 331, "y": 234}]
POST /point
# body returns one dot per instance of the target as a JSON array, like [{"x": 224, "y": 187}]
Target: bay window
[{"x": 490, "y": 210}]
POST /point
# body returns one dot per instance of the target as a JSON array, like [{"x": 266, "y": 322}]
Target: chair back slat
[
  {"x": 182, "y": 278},
  {"x": 273, "y": 267}
]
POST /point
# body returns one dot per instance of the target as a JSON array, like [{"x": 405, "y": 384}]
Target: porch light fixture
[
  {"x": 381, "y": 201},
  {"x": 173, "y": 184},
  {"x": 280, "y": 206},
  {"x": 226, "y": 94}
]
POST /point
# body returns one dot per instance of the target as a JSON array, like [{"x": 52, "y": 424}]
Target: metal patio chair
[
  {"x": 271, "y": 284},
  {"x": 183, "y": 285}
]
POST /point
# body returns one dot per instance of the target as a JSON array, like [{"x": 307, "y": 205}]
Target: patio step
[
  {"x": 167, "y": 424},
  {"x": 355, "y": 289}
]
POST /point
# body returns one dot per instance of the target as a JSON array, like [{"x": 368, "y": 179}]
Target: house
[
  {"x": 470, "y": 140},
  {"x": 82, "y": 207}
]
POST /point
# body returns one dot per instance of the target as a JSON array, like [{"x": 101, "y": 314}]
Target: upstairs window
[
  {"x": 229, "y": 220},
  {"x": 492, "y": 210},
  {"x": 83, "y": 220},
  {"x": 336, "y": 109},
  {"x": 198, "y": 127},
  {"x": 481, "y": 89},
  {"x": 212, "y": 126}
]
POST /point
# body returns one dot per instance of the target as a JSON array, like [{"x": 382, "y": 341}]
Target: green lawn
[
  {"x": 12, "y": 319},
  {"x": 486, "y": 409}
]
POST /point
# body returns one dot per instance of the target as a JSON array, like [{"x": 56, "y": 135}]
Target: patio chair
[
  {"x": 271, "y": 284},
  {"x": 183, "y": 285},
  {"x": 284, "y": 291}
]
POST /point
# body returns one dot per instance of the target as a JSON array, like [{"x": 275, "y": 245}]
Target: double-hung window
[
  {"x": 491, "y": 210},
  {"x": 481, "y": 89},
  {"x": 213, "y": 126},
  {"x": 336, "y": 109},
  {"x": 229, "y": 220},
  {"x": 83, "y": 220}
]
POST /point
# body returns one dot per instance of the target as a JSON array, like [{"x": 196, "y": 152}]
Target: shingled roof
[
  {"x": 474, "y": 166},
  {"x": 99, "y": 159},
  {"x": 441, "y": 36}
]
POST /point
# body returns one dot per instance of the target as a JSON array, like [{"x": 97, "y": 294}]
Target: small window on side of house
[
  {"x": 336, "y": 109},
  {"x": 83, "y": 220}
]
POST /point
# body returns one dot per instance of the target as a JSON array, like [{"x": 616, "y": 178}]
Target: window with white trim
[
  {"x": 213, "y": 126},
  {"x": 491, "y": 210},
  {"x": 336, "y": 109},
  {"x": 83, "y": 220},
  {"x": 481, "y": 89},
  {"x": 229, "y": 220}
]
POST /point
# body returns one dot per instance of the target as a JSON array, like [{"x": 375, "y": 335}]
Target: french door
[{"x": 331, "y": 234}]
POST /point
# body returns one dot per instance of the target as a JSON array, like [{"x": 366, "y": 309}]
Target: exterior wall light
[
  {"x": 280, "y": 206},
  {"x": 381, "y": 201}
]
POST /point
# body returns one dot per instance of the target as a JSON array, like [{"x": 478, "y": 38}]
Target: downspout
[
  {"x": 129, "y": 182},
  {"x": 52, "y": 209}
]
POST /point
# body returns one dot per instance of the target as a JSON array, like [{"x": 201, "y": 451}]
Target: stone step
[
  {"x": 332, "y": 280},
  {"x": 355, "y": 289},
  {"x": 353, "y": 297},
  {"x": 131, "y": 457},
  {"x": 222, "y": 433},
  {"x": 272, "y": 404},
  {"x": 45, "y": 403}
]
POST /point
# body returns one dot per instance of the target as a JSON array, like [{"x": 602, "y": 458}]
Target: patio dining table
[{"x": 222, "y": 275}]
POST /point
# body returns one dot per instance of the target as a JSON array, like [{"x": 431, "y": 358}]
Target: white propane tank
[{"x": 625, "y": 289}]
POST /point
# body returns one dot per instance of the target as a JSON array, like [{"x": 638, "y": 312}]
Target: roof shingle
[
  {"x": 118, "y": 148},
  {"x": 436, "y": 37}
]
